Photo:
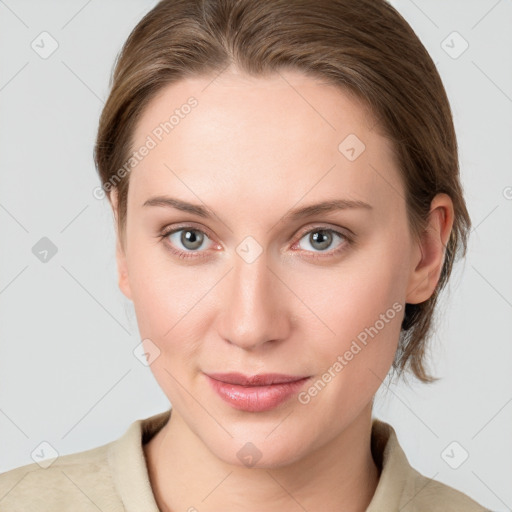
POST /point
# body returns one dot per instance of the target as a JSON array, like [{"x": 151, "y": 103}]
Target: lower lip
[{"x": 256, "y": 398}]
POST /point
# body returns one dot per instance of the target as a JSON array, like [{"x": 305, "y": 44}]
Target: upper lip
[{"x": 264, "y": 379}]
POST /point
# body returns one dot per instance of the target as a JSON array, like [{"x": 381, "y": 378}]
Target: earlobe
[
  {"x": 122, "y": 271},
  {"x": 122, "y": 265},
  {"x": 431, "y": 250}
]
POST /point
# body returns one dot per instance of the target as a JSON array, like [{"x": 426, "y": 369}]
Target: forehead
[{"x": 260, "y": 135}]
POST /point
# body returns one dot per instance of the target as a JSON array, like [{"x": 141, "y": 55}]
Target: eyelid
[
  {"x": 345, "y": 232},
  {"x": 168, "y": 230}
]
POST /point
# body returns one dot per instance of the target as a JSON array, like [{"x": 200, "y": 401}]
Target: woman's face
[{"x": 262, "y": 281}]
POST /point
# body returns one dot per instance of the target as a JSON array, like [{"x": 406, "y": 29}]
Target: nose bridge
[{"x": 252, "y": 312}]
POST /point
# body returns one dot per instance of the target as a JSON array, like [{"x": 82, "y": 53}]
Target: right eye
[{"x": 186, "y": 240}]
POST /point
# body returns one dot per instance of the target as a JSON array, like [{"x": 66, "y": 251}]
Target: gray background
[{"x": 68, "y": 375}]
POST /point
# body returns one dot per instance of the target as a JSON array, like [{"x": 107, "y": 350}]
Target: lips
[
  {"x": 265, "y": 379},
  {"x": 255, "y": 393}
]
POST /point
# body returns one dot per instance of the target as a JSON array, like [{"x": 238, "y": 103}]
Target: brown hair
[{"x": 363, "y": 46}]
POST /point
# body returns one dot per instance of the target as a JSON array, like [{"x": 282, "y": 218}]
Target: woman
[{"x": 284, "y": 180}]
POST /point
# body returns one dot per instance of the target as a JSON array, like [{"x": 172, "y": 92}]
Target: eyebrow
[{"x": 295, "y": 214}]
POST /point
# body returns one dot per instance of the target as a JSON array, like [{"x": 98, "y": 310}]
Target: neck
[{"x": 185, "y": 475}]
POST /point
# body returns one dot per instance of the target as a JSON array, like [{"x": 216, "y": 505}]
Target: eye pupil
[
  {"x": 321, "y": 237},
  {"x": 191, "y": 239}
]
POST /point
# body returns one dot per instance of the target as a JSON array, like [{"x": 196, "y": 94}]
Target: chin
[{"x": 258, "y": 451}]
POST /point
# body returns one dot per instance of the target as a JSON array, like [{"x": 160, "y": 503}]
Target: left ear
[
  {"x": 122, "y": 265},
  {"x": 430, "y": 250}
]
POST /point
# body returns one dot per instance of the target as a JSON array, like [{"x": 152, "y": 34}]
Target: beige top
[{"x": 114, "y": 478}]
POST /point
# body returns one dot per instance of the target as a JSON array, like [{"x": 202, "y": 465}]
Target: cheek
[
  {"x": 352, "y": 364},
  {"x": 169, "y": 311},
  {"x": 362, "y": 302},
  {"x": 161, "y": 291},
  {"x": 170, "y": 302},
  {"x": 166, "y": 304},
  {"x": 354, "y": 294}
]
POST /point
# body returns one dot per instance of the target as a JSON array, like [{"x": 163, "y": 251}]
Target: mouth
[
  {"x": 255, "y": 393},
  {"x": 264, "y": 379}
]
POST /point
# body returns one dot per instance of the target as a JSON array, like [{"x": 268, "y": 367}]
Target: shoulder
[
  {"x": 426, "y": 494},
  {"x": 402, "y": 487},
  {"x": 80, "y": 481}
]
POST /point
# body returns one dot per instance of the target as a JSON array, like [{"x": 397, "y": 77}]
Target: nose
[{"x": 254, "y": 305}]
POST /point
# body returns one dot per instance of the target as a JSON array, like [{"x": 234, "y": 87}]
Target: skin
[{"x": 252, "y": 150}]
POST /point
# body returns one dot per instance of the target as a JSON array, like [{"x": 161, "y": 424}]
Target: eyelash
[{"x": 348, "y": 240}]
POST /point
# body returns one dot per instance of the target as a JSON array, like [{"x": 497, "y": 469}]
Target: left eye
[
  {"x": 321, "y": 239},
  {"x": 190, "y": 239}
]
